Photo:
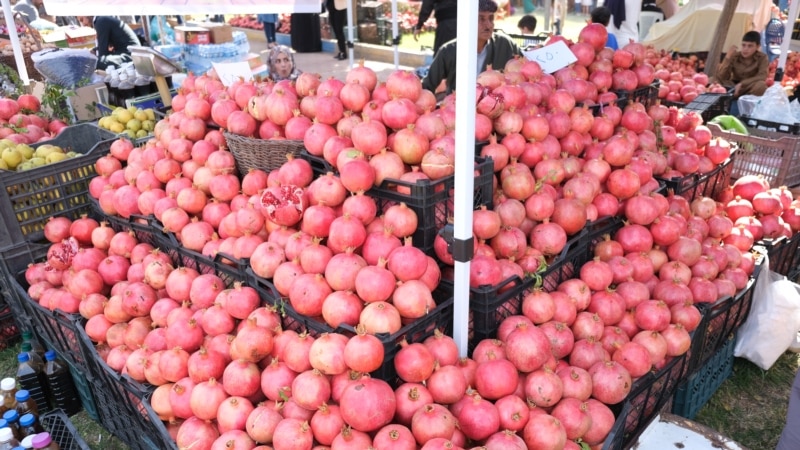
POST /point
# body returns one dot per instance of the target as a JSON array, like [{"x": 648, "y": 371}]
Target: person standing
[
  {"x": 337, "y": 14},
  {"x": 559, "y": 15},
  {"x": 113, "y": 39},
  {"x": 446, "y": 14},
  {"x": 624, "y": 23},
  {"x": 269, "y": 20},
  {"x": 494, "y": 49},
  {"x": 32, "y": 10}
]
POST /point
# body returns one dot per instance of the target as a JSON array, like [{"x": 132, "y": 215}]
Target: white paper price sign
[
  {"x": 552, "y": 57},
  {"x": 230, "y": 73}
]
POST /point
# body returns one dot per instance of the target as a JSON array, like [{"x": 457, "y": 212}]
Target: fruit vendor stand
[{"x": 194, "y": 279}]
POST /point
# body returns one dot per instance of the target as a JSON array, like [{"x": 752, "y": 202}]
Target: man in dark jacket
[
  {"x": 494, "y": 49},
  {"x": 113, "y": 39},
  {"x": 446, "y": 12}
]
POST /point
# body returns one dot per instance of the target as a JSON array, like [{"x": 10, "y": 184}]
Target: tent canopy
[
  {"x": 176, "y": 7},
  {"x": 689, "y": 30}
]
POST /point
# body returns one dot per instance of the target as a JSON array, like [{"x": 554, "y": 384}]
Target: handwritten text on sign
[
  {"x": 230, "y": 73},
  {"x": 552, "y": 57}
]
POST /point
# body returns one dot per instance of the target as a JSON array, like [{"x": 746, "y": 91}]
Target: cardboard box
[
  {"x": 84, "y": 102},
  {"x": 56, "y": 37},
  {"x": 83, "y": 37},
  {"x": 220, "y": 32},
  {"x": 192, "y": 35},
  {"x": 254, "y": 60}
]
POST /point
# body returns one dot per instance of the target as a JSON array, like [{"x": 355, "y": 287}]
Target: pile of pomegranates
[{"x": 228, "y": 371}]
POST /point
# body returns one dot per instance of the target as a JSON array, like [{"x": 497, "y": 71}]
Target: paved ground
[{"x": 325, "y": 64}]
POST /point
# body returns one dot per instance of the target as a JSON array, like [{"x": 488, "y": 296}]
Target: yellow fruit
[
  {"x": 3, "y": 164},
  {"x": 37, "y": 161},
  {"x": 43, "y": 150},
  {"x": 134, "y": 125},
  {"x": 132, "y": 109},
  {"x": 148, "y": 125},
  {"x": 26, "y": 150},
  {"x": 27, "y": 165},
  {"x": 151, "y": 115},
  {"x": 55, "y": 157},
  {"x": 141, "y": 134},
  {"x": 140, "y": 115},
  {"x": 131, "y": 134},
  {"x": 124, "y": 116},
  {"x": 117, "y": 127},
  {"x": 12, "y": 157}
]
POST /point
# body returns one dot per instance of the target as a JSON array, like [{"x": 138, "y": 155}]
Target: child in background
[
  {"x": 602, "y": 15},
  {"x": 527, "y": 24}
]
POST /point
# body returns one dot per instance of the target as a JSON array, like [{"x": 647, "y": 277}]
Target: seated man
[
  {"x": 494, "y": 49},
  {"x": 745, "y": 70}
]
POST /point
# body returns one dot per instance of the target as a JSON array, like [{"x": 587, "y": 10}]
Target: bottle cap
[
  {"x": 19, "y": 447},
  {"x": 23, "y": 357},
  {"x": 8, "y": 383},
  {"x": 41, "y": 440},
  {"x": 3, "y": 423},
  {"x": 27, "y": 335},
  {"x": 6, "y": 434},
  {"x": 11, "y": 415},
  {"x": 27, "y": 420},
  {"x": 26, "y": 346},
  {"x": 50, "y": 355},
  {"x": 22, "y": 395},
  {"x": 27, "y": 441}
]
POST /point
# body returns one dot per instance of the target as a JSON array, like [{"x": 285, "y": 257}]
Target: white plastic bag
[
  {"x": 774, "y": 106},
  {"x": 773, "y": 322}
]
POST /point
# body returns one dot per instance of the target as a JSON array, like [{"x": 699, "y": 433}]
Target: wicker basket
[{"x": 264, "y": 154}]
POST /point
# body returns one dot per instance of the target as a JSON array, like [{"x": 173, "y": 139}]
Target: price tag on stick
[
  {"x": 232, "y": 72},
  {"x": 552, "y": 57}
]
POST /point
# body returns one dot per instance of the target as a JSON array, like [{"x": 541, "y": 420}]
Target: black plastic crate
[
  {"x": 784, "y": 257},
  {"x": 143, "y": 227},
  {"x": 489, "y": 305},
  {"x": 58, "y": 328},
  {"x": 648, "y": 396},
  {"x": 230, "y": 272},
  {"x": 766, "y": 125},
  {"x": 10, "y": 332},
  {"x": 597, "y": 109},
  {"x": 710, "y": 105},
  {"x": 432, "y": 200},
  {"x": 720, "y": 321},
  {"x": 699, "y": 387},
  {"x": 13, "y": 260},
  {"x": 696, "y": 185},
  {"x": 62, "y": 431},
  {"x": 646, "y": 95},
  {"x": 60, "y": 189},
  {"x": 440, "y": 318},
  {"x": 122, "y": 406}
]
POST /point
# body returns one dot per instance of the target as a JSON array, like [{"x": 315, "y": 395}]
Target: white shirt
[{"x": 629, "y": 28}]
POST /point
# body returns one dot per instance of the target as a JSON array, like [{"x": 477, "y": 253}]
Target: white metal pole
[
  {"x": 350, "y": 45},
  {"x": 787, "y": 35},
  {"x": 395, "y": 36},
  {"x": 466, "y": 62},
  {"x": 15, "y": 45}
]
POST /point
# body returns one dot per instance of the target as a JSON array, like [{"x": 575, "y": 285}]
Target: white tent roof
[{"x": 692, "y": 28}]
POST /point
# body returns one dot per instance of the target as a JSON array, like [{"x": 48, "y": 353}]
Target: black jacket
[
  {"x": 500, "y": 48},
  {"x": 445, "y": 9}
]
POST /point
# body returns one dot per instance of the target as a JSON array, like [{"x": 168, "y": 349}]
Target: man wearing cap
[{"x": 494, "y": 49}]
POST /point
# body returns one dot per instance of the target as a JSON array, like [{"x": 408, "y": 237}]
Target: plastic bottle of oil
[
  {"x": 60, "y": 385},
  {"x": 30, "y": 377},
  {"x": 12, "y": 419},
  {"x": 7, "y": 439},
  {"x": 25, "y": 404}
]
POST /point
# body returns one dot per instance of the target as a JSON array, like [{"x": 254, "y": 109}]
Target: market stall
[{"x": 607, "y": 268}]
